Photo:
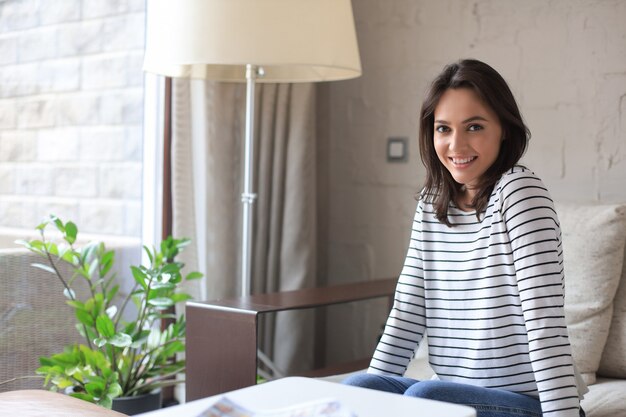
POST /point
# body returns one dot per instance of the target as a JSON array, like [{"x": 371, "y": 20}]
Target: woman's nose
[{"x": 458, "y": 141}]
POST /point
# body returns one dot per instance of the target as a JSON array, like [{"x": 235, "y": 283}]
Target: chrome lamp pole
[{"x": 248, "y": 197}]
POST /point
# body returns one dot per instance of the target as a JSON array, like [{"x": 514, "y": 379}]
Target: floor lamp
[{"x": 267, "y": 41}]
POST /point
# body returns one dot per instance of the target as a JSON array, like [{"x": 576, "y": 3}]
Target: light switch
[{"x": 397, "y": 149}]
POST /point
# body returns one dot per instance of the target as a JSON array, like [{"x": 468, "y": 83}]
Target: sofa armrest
[{"x": 222, "y": 335}]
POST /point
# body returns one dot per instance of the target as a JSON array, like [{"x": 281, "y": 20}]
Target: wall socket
[{"x": 397, "y": 149}]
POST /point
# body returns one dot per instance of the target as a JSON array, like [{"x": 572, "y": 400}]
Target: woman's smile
[{"x": 461, "y": 162}]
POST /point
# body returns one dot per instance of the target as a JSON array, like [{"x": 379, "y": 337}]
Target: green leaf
[
  {"x": 140, "y": 339},
  {"x": 90, "y": 305},
  {"x": 105, "y": 326},
  {"x": 149, "y": 253},
  {"x": 76, "y": 304},
  {"x": 176, "y": 278},
  {"x": 99, "y": 302},
  {"x": 64, "y": 383},
  {"x": 58, "y": 223},
  {"x": 182, "y": 243},
  {"x": 95, "y": 389},
  {"x": 69, "y": 293},
  {"x": 140, "y": 277},
  {"x": 52, "y": 248},
  {"x": 161, "y": 302},
  {"x": 112, "y": 293},
  {"x": 130, "y": 327},
  {"x": 84, "y": 317},
  {"x": 115, "y": 390},
  {"x": 37, "y": 245},
  {"x": 106, "y": 402},
  {"x": 45, "y": 361},
  {"x": 173, "y": 348},
  {"x": 70, "y": 232},
  {"x": 121, "y": 340},
  {"x": 83, "y": 396},
  {"x": 178, "y": 297},
  {"x": 44, "y": 267},
  {"x": 155, "y": 285},
  {"x": 69, "y": 256},
  {"x": 100, "y": 341},
  {"x": 93, "y": 267},
  {"x": 81, "y": 330},
  {"x": 42, "y": 225},
  {"x": 94, "y": 358},
  {"x": 22, "y": 242},
  {"x": 107, "y": 262},
  {"x": 194, "y": 275},
  {"x": 171, "y": 268},
  {"x": 111, "y": 311}
]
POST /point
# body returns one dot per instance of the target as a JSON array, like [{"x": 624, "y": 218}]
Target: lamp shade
[{"x": 292, "y": 40}]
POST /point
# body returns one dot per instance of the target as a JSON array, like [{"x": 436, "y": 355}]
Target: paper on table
[{"x": 225, "y": 407}]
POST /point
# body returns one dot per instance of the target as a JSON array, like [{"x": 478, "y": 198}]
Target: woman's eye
[
  {"x": 442, "y": 129},
  {"x": 473, "y": 128}
]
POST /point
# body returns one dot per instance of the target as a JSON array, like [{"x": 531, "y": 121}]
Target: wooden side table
[{"x": 222, "y": 335}]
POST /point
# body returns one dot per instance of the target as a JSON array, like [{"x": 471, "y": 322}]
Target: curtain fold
[{"x": 207, "y": 154}]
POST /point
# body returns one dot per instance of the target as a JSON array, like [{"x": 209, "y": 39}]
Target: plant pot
[{"x": 138, "y": 404}]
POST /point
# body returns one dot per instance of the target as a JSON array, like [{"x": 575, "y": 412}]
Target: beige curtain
[{"x": 208, "y": 127}]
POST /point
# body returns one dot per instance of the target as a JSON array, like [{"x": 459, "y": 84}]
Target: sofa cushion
[
  {"x": 593, "y": 244},
  {"x": 606, "y": 399},
  {"x": 613, "y": 363}
]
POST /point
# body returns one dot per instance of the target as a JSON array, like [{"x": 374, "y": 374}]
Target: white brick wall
[
  {"x": 8, "y": 114},
  {"x": 8, "y": 50},
  {"x": 17, "y": 145},
  {"x": 71, "y": 102}
]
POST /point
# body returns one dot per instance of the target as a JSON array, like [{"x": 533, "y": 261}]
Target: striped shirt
[{"x": 490, "y": 295}]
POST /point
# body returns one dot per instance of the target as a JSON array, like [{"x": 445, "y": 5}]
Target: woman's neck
[{"x": 465, "y": 198}]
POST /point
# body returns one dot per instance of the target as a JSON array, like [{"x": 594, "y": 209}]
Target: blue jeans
[{"x": 488, "y": 402}]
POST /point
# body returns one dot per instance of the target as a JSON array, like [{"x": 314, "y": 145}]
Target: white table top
[{"x": 293, "y": 390}]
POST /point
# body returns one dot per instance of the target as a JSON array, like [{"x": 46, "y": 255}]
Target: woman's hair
[{"x": 440, "y": 188}]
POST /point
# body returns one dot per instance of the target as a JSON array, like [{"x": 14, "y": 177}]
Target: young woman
[{"x": 483, "y": 275}]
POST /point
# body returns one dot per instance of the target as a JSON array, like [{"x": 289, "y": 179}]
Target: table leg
[{"x": 220, "y": 351}]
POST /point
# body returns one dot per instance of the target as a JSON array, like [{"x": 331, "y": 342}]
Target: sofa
[{"x": 594, "y": 238}]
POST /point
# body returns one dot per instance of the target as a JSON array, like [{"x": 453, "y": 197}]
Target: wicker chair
[{"x": 35, "y": 321}]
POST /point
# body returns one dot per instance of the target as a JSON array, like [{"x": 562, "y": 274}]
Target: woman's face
[{"x": 467, "y": 136}]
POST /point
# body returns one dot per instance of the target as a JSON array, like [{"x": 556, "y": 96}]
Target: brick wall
[{"x": 71, "y": 103}]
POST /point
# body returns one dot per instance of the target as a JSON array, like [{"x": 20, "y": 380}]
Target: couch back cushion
[
  {"x": 593, "y": 242},
  {"x": 613, "y": 363}
]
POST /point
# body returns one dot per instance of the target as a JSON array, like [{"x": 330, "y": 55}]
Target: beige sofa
[
  {"x": 595, "y": 301},
  {"x": 594, "y": 239}
]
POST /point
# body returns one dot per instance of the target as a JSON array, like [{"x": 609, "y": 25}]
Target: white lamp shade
[{"x": 292, "y": 40}]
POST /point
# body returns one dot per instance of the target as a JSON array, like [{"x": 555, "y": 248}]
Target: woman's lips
[{"x": 461, "y": 162}]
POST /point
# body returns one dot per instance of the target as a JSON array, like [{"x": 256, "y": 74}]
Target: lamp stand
[{"x": 248, "y": 197}]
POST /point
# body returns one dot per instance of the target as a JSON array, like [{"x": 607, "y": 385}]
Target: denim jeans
[{"x": 488, "y": 402}]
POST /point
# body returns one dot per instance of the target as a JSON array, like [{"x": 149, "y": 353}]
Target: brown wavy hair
[{"x": 440, "y": 188}]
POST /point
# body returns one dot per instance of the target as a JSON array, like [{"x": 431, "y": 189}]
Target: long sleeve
[
  {"x": 535, "y": 239},
  {"x": 406, "y": 323}
]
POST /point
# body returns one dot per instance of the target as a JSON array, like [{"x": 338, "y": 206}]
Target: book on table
[{"x": 225, "y": 407}]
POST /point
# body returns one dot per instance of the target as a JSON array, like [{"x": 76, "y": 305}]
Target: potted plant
[{"x": 119, "y": 357}]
